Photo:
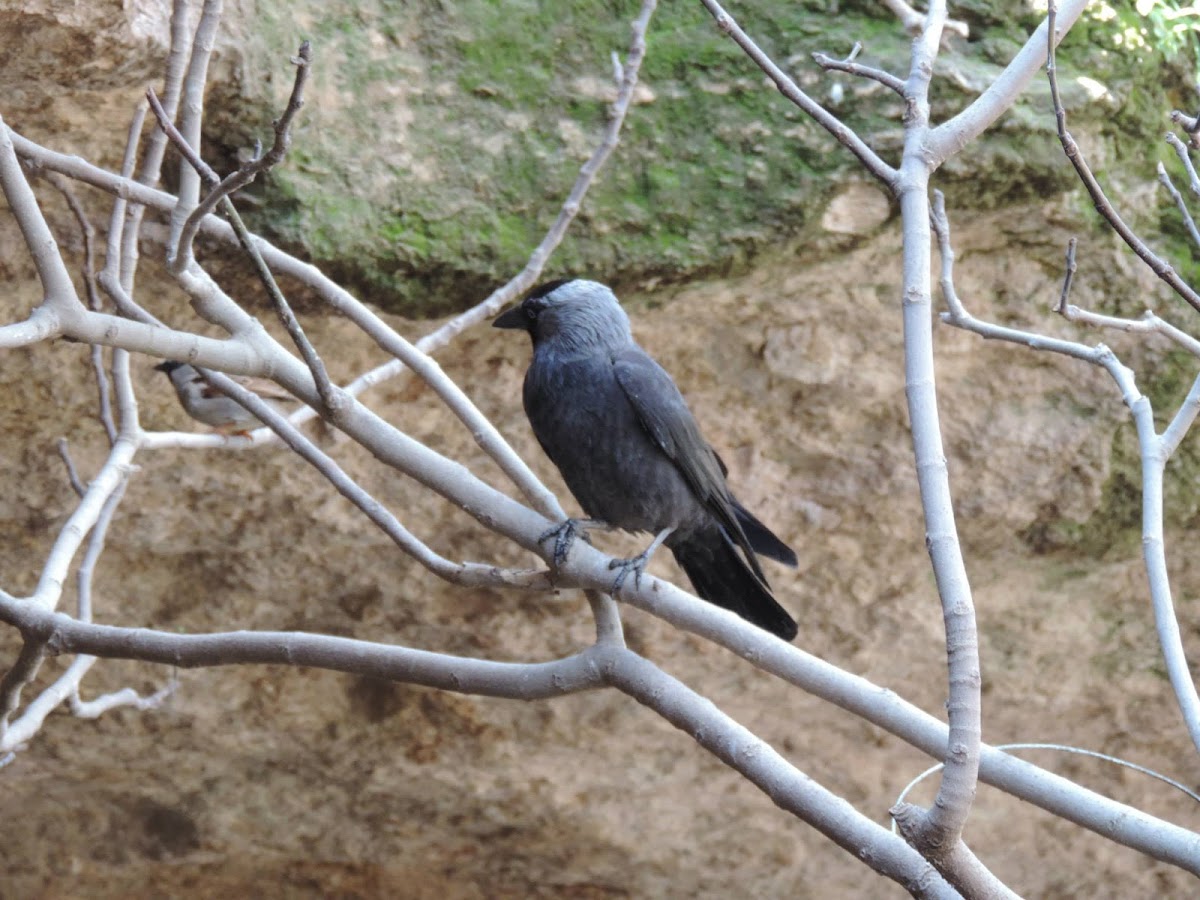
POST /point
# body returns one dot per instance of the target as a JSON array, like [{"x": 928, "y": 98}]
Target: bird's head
[{"x": 574, "y": 314}]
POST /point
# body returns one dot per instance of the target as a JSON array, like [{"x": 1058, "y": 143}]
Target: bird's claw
[
  {"x": 635, "y": 564},
  {"x": 565, "y": 534}
]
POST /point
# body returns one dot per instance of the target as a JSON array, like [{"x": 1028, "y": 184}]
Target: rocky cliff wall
[{"x": 270, "y": 782}]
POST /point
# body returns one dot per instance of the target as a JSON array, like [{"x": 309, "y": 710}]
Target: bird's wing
[
  {"x": 665, "y": 415},
  {"x": 265, "y": 388}
]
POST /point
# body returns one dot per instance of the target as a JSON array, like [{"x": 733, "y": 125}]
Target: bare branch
[
  {"x": 951, "y": 136},
  {"x": 1190, "y": 124},
  {"x": 191, "y": 105},
  {"x": 52, "y": 272},
  {"x": 251, "y": 170},
  {"x": 1181, "y": 151},
  {"x": 1068, "y": 278},
  {"x": 125, "y": 225},
  {"x": 517, "y": 681},
  {"x": 95, "y": 708},
  {"x": 913, "y": 21},
  {"x": 1159, "y": 266},
  {"x": 24, "y": 670},
  {"x": 88, "y": 271},
  {"x": 1149, "y": 323},
  {"x": 528, "y": 276},
  {"x": 771, "y": 773},
  {"x": 120, "y": 256},
  {"x": 25, "y": 726},
  {"x": 792, "y": 91},
  {"x": 1165, "y": 180},
  {"x": 72, "y": 472},
  {"x": 938, "y": 831},
  {"x": 1154, "y": 453},
  {"x": 67, "y": 685},
  {"x": 887, "y": 79}
]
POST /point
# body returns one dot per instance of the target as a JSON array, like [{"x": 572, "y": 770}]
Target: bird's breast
[{"x": 584, "y": 421}]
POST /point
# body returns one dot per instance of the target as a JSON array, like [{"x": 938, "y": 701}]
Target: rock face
[{"x": 280, "y": 783}]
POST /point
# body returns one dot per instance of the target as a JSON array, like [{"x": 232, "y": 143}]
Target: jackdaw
[{"x": 622, "y": 436}]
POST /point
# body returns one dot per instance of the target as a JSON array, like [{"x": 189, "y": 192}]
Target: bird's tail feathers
[
  {"x": 721, "y": 575},
  {"x": 762, "y": 539}
]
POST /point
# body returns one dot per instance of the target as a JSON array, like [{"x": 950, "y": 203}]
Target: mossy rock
[{"x": 439, "y": 140}]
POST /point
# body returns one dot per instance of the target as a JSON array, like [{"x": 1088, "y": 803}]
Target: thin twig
[
  {"x": 1159, "y": 266},
  {"x": 468, "y": 574},
  {"x": 827, "y": 120},
  {"x": 98, "y": 706},
  {"x": 120, "y": 258},
  {"x": 88, "y": 271},
  {"x": 1185, "y": 157},
  {"x": 1165, "y": 180},
  {"x": 1190, "y": 124},
  {"x": 72, "y": 472},
  {"x": 847, "y": 65},
  {"x": 332, "y": 399},
  {"x": 1068, "y": 277},
  {"x": 23, "y": 671},
  {"x": 244, "y": 175}
]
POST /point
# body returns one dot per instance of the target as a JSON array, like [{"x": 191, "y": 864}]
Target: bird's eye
[{"x": 531, "y": 312}]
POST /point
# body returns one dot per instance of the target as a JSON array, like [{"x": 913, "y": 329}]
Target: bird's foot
[
  {"x": 636, "y": 564},
  {"x": 565, "y": 534}
]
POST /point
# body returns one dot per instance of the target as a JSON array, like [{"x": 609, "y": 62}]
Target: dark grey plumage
[{"x": 622, "y": 436}]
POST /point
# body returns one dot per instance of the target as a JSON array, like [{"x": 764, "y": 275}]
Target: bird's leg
[
  {"x": 566, "y": 532},
  {"x": 637, "y": 564}
]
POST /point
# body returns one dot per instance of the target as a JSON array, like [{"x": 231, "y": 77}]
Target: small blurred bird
[
  {"x": 622, "y": 436},
  {"x": 206, "y": 404}
]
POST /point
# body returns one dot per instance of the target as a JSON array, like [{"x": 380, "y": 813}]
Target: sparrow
[{"x": 206, "y": 404}]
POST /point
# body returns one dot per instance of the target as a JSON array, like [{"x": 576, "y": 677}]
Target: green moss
[{"x": 439, "y": 140}]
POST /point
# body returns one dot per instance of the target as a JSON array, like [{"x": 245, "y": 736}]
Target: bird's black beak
[
  {"x": 514, "y": 318},
  {"x": 168, "y": 366}
]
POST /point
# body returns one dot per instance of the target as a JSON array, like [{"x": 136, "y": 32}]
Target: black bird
[{"x": 622, "y": 436}]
